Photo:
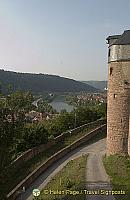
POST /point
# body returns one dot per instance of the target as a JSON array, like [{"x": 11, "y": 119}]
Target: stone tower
[{"x": 118, "y": 109}]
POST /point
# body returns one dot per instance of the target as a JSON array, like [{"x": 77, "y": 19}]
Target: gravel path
[{"x": 95, "y": 170}]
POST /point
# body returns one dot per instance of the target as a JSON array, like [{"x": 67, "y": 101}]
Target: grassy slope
[
  {"x": 118, "y": 168},
  {"x": 71, "y": 177}
]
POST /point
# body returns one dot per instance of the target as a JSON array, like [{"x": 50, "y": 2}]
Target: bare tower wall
[{"x": 118, "y": 109}]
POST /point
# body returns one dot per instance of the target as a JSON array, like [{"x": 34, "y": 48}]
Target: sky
[{"x": 61, "y": 37}]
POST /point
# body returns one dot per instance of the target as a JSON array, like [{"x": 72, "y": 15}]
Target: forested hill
[
  {"x": 97, "y": 84},
  {"x": 38, "y": 83}
]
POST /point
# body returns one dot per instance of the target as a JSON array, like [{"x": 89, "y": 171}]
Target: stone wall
[
  {"x": 32, "y": 177},
  {"x": 129, "y": 128},
  {"x": 118, "y": 108},
  {"x": 39, "y": 149}
]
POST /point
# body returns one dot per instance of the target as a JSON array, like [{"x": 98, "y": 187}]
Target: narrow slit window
[
  {"x": 109, "y": 51},
  {"x": 111, "y": 69},
  {"x": 115, "y": 95},
  {"x": 125, "y": 82}
]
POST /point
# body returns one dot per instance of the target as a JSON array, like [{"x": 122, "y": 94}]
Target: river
[{"x": 59, "y": 104}]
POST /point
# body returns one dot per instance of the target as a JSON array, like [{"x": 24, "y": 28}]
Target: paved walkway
[
  {"x": 95, "y": 170},
  {"x": 97, "y": 179}
]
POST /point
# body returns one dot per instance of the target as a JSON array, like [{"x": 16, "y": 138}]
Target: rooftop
[
  {"x": 113, "y": 37},
  {"x": 120, "y": 39}
]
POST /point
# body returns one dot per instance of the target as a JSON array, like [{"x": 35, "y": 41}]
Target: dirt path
[{"x": 95, "y": 169}]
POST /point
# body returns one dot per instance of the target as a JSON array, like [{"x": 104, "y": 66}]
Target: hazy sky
[{"x": 64, "y": 37}]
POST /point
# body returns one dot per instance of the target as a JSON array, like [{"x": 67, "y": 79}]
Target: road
[{"x": 95, "y": 171}]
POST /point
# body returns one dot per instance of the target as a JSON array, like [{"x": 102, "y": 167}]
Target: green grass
[
  {"x": 13, "y": 176},
  {"x": 118, "y": 168},
  {"x": 71, "y": 177}
]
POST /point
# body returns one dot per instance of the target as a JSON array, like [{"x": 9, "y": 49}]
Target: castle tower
[{"x": 118, "y": 109}]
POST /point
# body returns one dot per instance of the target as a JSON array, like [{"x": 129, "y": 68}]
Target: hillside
[
  {"x": 97, "y": 84},
  {"x": 38, "y": 83}
]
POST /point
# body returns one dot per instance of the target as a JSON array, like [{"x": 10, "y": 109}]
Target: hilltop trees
[{"x": 41, "y": 82}]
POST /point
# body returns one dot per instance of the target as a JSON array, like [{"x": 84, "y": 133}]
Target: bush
[{"x": 33, "y": 135}]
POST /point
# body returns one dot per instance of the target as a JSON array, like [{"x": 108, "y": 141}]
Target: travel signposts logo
[{"x": 36, "y": 192}]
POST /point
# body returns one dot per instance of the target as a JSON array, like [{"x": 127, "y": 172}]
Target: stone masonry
[{"x": 118, "y": 109}]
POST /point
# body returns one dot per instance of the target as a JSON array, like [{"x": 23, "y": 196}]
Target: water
[{"x": 59, "y": 104}]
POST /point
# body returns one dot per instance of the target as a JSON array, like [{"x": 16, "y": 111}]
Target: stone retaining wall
[
  {"x": 34, "y": 175},
  {"x": 39, "y": 149}
]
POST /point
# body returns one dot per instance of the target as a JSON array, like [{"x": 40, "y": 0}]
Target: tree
[
  {"x": 60, "y": 124},
  {"x": 33, "y": 135},
  {"x": 20, "y": 101},
  {"x": 84, "y": 115},
  {"x": 63, "y": 111},
  {"x": 101, "y": 109},
  {"x": 12, "y": 117}
]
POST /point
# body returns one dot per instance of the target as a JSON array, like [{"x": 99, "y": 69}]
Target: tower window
[
  {"x": 109, "y": 52},
  {"x": 125, "y": 82},
  {"x": 115, "y": 95},
  {"x": 111, "y": 69}
]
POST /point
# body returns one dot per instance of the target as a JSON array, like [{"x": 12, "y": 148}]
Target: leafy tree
[
  {"x": 83, "y": 115},
  {"x": 65, "y": 121},
  {"x": 61, "y": 123},
  {"x": 33, "y": 135},
  {"x": 12, "y": 115},
  {"x": 20, "y": 101},
  {"x": 63, "y": 111},
  {"x": 102, "y": 110},
  {"x": 44, "y": 106}
]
